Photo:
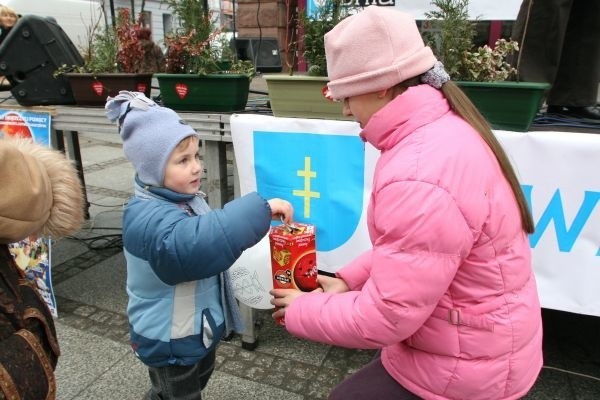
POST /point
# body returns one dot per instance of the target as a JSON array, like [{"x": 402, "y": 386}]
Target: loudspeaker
[
  {"x": 263, "y": 52},
  {"x": 29, "y": 56}
]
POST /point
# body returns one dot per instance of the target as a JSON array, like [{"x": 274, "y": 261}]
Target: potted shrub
[
  {"x": 202, "y": 72},
  {"x": 484, "y": 73},
  {"x": 295, "y": 95},
  {"x": 111, "y": 63}
]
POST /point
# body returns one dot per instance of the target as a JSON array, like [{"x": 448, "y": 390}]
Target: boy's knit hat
[
  {"x": 150, "y": 133},
  {"x": 374, "y": 50}
]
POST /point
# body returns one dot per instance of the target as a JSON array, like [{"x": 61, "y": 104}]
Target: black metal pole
[
  {"x": 112, "y": 14},
  {"x": 234, "y": 34}
]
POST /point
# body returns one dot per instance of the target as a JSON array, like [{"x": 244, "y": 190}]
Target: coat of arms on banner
[
  {"x": 321, "y": 167},
  {"x": 321, "y": 175}
]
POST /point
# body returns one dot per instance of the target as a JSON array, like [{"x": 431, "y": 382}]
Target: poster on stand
[
  {"x": 33, "y": 254},
  {"x": 26, "y": 124}
]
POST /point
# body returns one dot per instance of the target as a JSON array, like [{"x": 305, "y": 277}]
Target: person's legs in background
[
  {"x": 576, "y": 83},
  {"x": 559, "y": 44},
  {"x": 540, "y": 31}
]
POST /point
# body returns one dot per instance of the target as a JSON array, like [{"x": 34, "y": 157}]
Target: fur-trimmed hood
[{"x": 41, "y": 192}]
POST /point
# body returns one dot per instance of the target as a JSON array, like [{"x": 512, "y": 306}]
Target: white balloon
[{"x": 251, "y": 276}]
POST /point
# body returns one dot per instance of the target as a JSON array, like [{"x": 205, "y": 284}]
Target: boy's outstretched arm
[{"x": 181, "y": 249}]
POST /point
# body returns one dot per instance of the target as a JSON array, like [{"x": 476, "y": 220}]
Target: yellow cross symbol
[{"x": 306, "y": 193}]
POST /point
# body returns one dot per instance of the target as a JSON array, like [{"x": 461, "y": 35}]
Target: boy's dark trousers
[{"x": 176, "y": 382}]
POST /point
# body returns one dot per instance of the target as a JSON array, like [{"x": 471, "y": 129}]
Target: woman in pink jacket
[{"x": 447, "y": 290}]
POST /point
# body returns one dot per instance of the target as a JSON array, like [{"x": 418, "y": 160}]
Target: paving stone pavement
[{"x": 97, "y": 362}]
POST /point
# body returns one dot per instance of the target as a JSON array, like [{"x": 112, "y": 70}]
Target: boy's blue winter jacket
[{"x": 174, "y": 259}]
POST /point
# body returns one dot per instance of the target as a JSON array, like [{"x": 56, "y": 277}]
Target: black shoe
[{"x": 589, "y": 112}]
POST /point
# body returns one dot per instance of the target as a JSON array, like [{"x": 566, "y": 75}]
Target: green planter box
[
  {"x": 301, "y": 96},
  {"x": 215, "y": 92},
  {"x": 93, "y": 89},
  {"x": 506, "y": 105}
]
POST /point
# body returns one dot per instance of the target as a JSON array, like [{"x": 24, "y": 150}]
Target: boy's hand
[{"x": 279, "y": 208}]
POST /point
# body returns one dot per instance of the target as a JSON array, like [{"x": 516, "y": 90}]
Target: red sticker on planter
[
  {"x": 97, "y": 87},
  {"x": 141, "y": 87},
  {"x": 181, "y": 89}
]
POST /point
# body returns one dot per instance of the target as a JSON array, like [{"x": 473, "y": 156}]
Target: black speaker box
[
  {"x": 263, "y": 52},
  {"x": 29, "y": 56}
]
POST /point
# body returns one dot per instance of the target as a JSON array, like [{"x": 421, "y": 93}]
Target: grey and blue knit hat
[{"x": 150, "y": 133}]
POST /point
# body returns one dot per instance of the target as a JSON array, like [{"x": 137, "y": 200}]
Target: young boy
[{"x": 178, "y": 250}]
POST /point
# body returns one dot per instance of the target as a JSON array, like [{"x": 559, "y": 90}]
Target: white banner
[
  {"x": 295, "y": 158},
  {"x": 559, "y": 174},
  {"x": 478, "y": 9}
]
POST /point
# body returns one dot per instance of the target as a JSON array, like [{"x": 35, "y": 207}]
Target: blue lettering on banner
[
  {"x": 555, "y": 212},
  {"x": 321, "y": 175}
]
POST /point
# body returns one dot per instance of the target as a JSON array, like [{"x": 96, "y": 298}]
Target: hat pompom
[{"x": 118, "y": 106}]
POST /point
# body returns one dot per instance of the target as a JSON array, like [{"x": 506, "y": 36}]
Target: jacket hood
[
  {"x": 41, "y": 192},
  {"x": 416, "y": 107}
]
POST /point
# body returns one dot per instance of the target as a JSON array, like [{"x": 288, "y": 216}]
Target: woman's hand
[
  {"x": 332, "y": 284},
  {"x": 281, "y": 208}
]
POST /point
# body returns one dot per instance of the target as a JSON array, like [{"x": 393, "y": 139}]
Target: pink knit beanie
[{"x": 374, "y": 50}]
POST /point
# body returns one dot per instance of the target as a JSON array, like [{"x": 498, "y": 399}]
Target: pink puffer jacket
[{"x": 447, "y": 290}]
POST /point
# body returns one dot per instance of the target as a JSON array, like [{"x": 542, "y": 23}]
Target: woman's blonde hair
[
  {"x": 461, "y": 104},
  {"x": 6, "y": 10}
]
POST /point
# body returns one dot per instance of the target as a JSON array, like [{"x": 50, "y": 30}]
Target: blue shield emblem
[{"x": 321, "y": 175}]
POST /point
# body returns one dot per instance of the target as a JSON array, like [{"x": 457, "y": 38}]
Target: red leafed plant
[
  {"x": 190, "y": 53},
  {"x": 130, "y": 51},
  {"x": 110, "y": 50}
]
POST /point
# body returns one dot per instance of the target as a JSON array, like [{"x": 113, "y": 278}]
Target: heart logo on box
[
  {"x": 181, "y": 89},
  {"x": 97, "y": 87},
  {"x": 141, "y": 87}
]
